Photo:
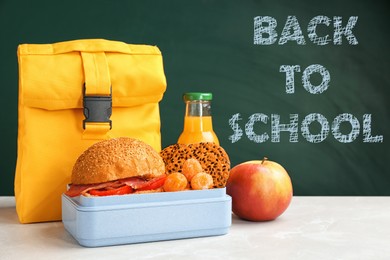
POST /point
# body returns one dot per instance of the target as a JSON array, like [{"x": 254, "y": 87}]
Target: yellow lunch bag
[{"x": 71, "y": 95}]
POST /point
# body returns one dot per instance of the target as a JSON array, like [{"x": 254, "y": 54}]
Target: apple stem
[{"x": 264, "y": 159}]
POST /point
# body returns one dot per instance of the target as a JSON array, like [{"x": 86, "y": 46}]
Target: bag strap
[
  {"x": 97, "y": 96},
  {"x": 96, "y": 73}
]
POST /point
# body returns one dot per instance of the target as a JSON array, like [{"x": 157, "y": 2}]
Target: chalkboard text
[
  {"x": 265, "y": 34},
  {"x": 265, "y": 31},
  {"x": 312, "y": 89},
  {"x": 276, "y": 127}
]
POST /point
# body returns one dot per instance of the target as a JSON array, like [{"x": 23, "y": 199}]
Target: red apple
[{"x": 260, "y": 190}]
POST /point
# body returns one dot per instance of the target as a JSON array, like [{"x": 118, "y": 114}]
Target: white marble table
[{"x": 311, "y": 228}]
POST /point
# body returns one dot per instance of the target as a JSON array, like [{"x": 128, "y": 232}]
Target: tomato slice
[
  {"x": 108, "y": 192},
  {"x": 153, "y": 184}
]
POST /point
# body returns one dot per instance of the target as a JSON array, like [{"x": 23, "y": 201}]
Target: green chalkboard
[{"x": 304, "y": 83}]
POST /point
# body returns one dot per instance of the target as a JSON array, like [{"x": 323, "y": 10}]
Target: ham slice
[
  {"x": 76, "y": 190},
  {"x": 82, "y": 189},
  {"x": 134, "y": 182}
]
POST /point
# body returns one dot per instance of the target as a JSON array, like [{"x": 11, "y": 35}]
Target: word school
[{"x": 292, "y": 128}]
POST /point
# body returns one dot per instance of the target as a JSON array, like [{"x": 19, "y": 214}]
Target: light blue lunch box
[{"x": 137, "y": 218}]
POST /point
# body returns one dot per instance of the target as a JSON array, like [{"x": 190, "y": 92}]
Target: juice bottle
[{"x": 198, "y": 124}]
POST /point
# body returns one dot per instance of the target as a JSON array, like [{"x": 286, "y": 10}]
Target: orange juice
[
  {"x": 198, "y": 125},
  {"x": 198, "y": 129}
]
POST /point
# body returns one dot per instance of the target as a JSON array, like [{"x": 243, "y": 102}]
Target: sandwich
[{"x": 117, "y": 166}]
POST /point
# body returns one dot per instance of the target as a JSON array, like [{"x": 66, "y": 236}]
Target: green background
[{"x": 208, "y": 46}]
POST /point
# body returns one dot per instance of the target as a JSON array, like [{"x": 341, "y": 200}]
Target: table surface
[{"x": 311, "y": 228}]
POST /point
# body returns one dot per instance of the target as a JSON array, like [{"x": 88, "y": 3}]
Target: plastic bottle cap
[{"x": 197, "y": 96}]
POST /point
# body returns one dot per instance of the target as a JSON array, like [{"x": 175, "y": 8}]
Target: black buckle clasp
[{"x": 97, "y": 108}]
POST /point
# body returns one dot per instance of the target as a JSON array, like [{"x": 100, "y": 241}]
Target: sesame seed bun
[{"x": 115, "y": 159}]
